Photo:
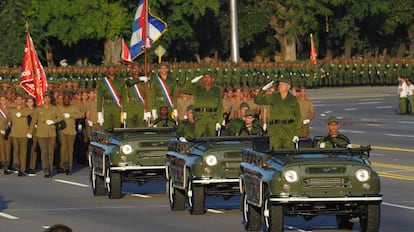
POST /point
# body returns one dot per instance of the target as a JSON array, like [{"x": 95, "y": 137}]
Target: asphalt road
[{"x": 368, "y": 117}]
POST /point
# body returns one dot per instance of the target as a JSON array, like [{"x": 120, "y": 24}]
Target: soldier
[
  {"x": 5, "y": 142},
  {"x": 163, "y": 118},
  {"x": 333, "y": 139},
  {"x": 135, "y": 102},
  {"x": 110, "y": 99},
  {"x": 307, "y": 112},
  {"x": 208, "y": 105},
  {"x": 45, "y": 117},
  {"x": 164, "y": 90},
  {"x": 33, "y": 146},
  {"x": 284, "y": 119},
  {"x": 186, "y": 126},
  {"x": 237, "y": 123},
  {"x": 250, "y": 126},
  {"x": 68, "y": 134},
  {"x": 402, "y": 95},
  {"x": 19, "y": 133}
]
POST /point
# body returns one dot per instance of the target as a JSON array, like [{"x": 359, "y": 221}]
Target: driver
[
  {"x": 164, "y": 120},
  {"x": 334, "y": 139}
]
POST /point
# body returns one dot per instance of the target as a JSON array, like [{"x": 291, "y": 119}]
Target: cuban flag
[
  {"x": 125, "y": 54},
  {"x": 146, "y": 29}
]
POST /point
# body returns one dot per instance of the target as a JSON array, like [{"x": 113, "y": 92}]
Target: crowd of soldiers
[{"x": 92, "y": 98}]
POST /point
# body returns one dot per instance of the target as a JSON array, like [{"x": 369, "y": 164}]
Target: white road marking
[
  {"x": 372, "y": 124},
  {"x": 328, "y": 111},
  {"x": 398, "y": 135},
  {"x": 72, "y": 183},
  {"x": 384, "y": 107},
  {"x": 398, "y": 206},
  {"x": 8, "y": 216},
  {"x": 372, "y": 99},
  {"x": 406, "y": 122},
  {"x": 353, "y": 131},
  {"x": 350, "y": 109},
  {"x": 214, "y": 211},
  {"x": 368, "y": 103},
  {"x": 139, "y": 195}
]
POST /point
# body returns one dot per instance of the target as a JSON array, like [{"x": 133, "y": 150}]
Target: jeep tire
[
  {"x": 114, "y": 185},
  {"x": 272, "y": 215},
  {"x": 251, "y": 215},
  {"x": 176, "y": 197},
  {"x": 370, "y": 219},
  {"x": 98, "y": 184},
  {"x": 196, "y": 199}
]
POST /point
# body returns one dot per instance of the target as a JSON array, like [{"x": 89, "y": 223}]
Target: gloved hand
[
  {"x": 144, "y": 79},
  {"x": 175, "y": 112},
  {"x": 29, "y": 136},
  {"x": 322, "y": 145},
  {"x": 306, "y": 121},
  {"x": 218, "y": 126},
  {"x": 100, "y": 118},
  {"x": 49, "y": 122},
  {"x": 154, "y": 114},
  {"x": 195, "y": 79},
  {"x": 18, "y": 114},
  {"x": 124, "y": 116},
  {"x": 295, "y": 139},
  {"x": 268, "y": 85},
  {"x": 264, "y": 126},
  {"x": 147, "y": 116},
  {"x": 183, "y": 140},
  {"x": 90, "y": 123},
  {"x": 224, "y": 122},
  {"x": 66, "y": 115},
  {"x": 3, "y": 132},
  {"x": 349, "y": 146}
]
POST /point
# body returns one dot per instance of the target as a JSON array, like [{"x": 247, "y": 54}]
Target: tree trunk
[
  {"x": 348, "y": 48},
  {"x": 112, "y": 51},
  {"x": 410, "y": 32},
  {"x": 288, "y": 47}
]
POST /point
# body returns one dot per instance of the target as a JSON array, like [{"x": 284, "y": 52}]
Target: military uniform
[
  {"x": 107, "y": 104},
  {"x": 134, "y": 105},
  {"x": 283, "y": 120},
  {"x": 5, "y": 142},
  {"x": 186, "y": 126}
]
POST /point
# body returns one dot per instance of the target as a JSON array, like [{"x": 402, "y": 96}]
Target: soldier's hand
[
  {"x": 147, "y": 116},
  {"x": 195, "y": 79},
  {"x": 295, "y": 139},
  {"x": 349, "y": 146},
  {"x": 175, "y": 113},
  {"x": 18, "y": 114},
  {"x": 100, "y": 118},
  {"x": 49, "y": 122},
  {"x": 268, "y": 85},
  {"x": 29, "y": 136},
  {"x": 306, "y": 121},
  {"x": 264, "y": 126},
  {"x": 183, "y": 140},
  {"x": 3, "y": 132},
  {"x": 154, "y": 114},
  {"x": 90, "y": 123},
  {"x": 144, "y": 79},
  {"x": 218, "y": 126},
  {"x": 66, "y": 115},
  {"x": 322, "y": 145}
]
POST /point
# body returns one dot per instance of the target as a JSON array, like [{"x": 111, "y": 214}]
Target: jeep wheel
[
  {"x": 196, "y": 199},
  {"x": 370, "y": 219},
  {"x": 176, "y": 197},
  {"x": 98, "y": 184},
  {"x": 113, "y": 183},
  {"x": 344, "y": 223},
  {"x": 251, "y": 215},
  {"x": 272, "y": 215}
]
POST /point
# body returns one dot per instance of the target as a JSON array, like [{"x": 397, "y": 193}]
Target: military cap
[
  {"x": 189, "y": 107},
  {"x": 286, "y": 80},
  {"x": 46, "y": 94},
  {"x": 249, "y": 113},
  {"x": 163, "y": 106},
  {"x": 244, "y": 104},
  {"x": 333, "y": 119}
]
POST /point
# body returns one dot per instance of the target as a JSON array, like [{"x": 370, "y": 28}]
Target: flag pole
[{"x": 36, "y": 83}]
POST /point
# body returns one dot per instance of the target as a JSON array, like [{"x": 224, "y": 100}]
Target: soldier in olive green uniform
[
  {"x": 164, "y": 90},
  {"x": 284, "y": 120},
  {"x": 110, "y": 99},
  {"x": 251, "y": 126},
  {"x": 333, "y": 139},
  {"x": 19, "y": 133},
  {"x": 163, "y": 118},
  {"x": 45, "y": 117},
  {"x": 135, "y": 99},
  {"x": 67, "y": 136},
  {"x": 237, "y": 123},
  {"x": 5, "y": 142},
  {"x": 208, "y": 106},
  {"x": 186, "y": 126}
]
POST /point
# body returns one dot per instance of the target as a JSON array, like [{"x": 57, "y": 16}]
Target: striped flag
[
  {"x": 312, "y": 51},
  {"x": 32, "y": 77},
  {"x": 146, "y": 29}
]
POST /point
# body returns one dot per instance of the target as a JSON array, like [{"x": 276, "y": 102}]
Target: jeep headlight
[
  {"x": 291, "y": 176},
  {"x": 211, "y": 160},
  {"x": 126, "y": 149},
  {"x": 362, "y": 175}
]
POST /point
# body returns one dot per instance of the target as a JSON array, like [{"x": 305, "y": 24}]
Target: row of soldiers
[{"x": 328, "y": 73}]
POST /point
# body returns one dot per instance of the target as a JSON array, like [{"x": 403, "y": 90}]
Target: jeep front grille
[
  {"x": 322, "y": 182},
  {"x": 325, "y": 170}
]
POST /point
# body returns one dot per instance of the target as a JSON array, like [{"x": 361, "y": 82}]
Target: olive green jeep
[
  {"x": 203, "y": 166},
  {"x": 308, "y": 182},
  {"x": 127, "y": 155}
]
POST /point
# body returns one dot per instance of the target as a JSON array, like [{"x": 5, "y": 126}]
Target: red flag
[
  {"x": 125, "y": 55},
  {"x": 32, "y": 77},
  {"x": 312, "y": 51}
]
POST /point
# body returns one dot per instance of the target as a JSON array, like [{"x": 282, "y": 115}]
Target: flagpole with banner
[
  {"x": 32, "y": 76},
  {"x": 313, "y": 57}
]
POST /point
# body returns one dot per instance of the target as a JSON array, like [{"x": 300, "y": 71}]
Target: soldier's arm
[{"x": 261, "y": 98}]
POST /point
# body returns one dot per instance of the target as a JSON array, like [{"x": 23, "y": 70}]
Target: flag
[
  {"x": 312, "y": 51},
  {"x": 32, "y": 77},
  {"x": 125, "y": 54},
  {"x": 146, "y": 29}
]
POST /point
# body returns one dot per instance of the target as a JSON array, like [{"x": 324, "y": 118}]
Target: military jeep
[
  {"x": 308, "y": 182},
  {"x": 203, "y": 166},
  {"x": 127, "y": 155}
]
